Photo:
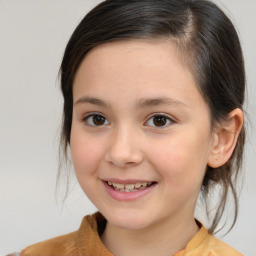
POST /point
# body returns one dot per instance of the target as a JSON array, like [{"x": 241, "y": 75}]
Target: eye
[
  {"x": 159, "y": 121},
  {"x": 95, "y": 120}
]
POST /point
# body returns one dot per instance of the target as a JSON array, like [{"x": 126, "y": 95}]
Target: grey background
[{"x": 33, "y": 34}]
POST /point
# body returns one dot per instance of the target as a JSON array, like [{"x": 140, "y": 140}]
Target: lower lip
[{"x": 127, "y": 196}]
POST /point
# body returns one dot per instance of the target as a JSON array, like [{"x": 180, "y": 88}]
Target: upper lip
[{"x": 127, "y": 181}]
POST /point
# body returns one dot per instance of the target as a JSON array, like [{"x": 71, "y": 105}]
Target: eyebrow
[
  {"x": 140, "y": 103},
  {"x": 92, "y": 100}
]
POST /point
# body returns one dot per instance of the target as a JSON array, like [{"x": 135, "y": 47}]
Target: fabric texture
[{"x": 86, "y": 242}]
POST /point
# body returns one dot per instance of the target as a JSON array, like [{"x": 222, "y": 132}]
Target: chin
[{"x": 132, "y": 220}]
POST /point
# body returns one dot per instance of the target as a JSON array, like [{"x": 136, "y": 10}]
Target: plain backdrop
[{"x": 33, "y": 35}]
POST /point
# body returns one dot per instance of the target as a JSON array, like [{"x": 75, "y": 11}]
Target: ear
[{"x": 225, "y": 138}]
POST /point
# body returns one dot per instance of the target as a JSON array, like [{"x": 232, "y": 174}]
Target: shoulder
[
  {"x": 61, "y": 245},
  {"x": 205, "y": 244},
  {"x": 219, "y": 248},
  {"x": 84, "y": 241}
]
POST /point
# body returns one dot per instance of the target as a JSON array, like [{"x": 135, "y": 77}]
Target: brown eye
[
  {"x": 159, "y": 121},
  {"x": 96, "y": 120}
]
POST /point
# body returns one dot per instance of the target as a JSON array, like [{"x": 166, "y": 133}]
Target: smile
[
  {"x": 128, "y": 190},
  {"x": 129, "y": 187}
]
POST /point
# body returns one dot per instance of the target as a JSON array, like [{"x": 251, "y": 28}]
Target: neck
[{"x": 162, "y": 239}]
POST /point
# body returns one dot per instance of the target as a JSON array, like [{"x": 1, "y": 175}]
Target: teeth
[
  {"x": 129, "y": 187},
  {"x": 120, "y": 186},
  {"x": 137, "y": 185}
]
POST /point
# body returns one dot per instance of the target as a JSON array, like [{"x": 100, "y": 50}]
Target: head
[{"x": 208, "y": 46}]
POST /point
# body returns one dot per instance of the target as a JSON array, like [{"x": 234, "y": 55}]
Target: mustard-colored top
[{"x": 86, "y": 242}]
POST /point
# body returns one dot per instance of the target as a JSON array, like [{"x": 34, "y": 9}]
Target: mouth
[{"x": 129, "y": 187}]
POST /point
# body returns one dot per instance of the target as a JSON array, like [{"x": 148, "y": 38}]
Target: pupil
[
  {"x": 98, "y": 120},
  {"x": 159, "y": 120}
]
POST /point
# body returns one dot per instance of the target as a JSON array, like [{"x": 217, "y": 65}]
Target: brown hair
[{"x": 209, "y": 45}]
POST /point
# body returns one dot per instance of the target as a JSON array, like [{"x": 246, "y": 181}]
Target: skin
[{"x": 128, "y": 145}]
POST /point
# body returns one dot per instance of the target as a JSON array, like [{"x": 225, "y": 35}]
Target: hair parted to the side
[{"x": 209, "y": 45}]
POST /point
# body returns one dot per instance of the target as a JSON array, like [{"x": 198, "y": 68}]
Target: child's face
[{"x": 139, "y": 118}]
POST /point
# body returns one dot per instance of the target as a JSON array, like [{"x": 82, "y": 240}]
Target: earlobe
[{"x": 225, "y": 138}]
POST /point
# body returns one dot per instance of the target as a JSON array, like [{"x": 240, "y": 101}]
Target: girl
[{"x": 153, "y": 98}]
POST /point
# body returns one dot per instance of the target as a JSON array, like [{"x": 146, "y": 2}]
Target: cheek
[
  {"x": 181, "y": 159},
  {"x": 168, "y": 155},
  {"x": 86, "y": 154}
]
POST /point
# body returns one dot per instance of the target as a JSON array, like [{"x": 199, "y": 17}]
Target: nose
[{"x": 125, "y": 148}]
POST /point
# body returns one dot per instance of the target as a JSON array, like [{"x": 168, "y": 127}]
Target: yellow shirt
[{"x": 86, "y": 242}]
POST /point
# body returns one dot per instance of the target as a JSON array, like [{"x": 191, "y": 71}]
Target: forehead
[
  {"x": 139, "y": 51},
  {"x": 136, "y": 68}
]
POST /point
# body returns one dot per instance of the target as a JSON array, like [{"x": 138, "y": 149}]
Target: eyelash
[
  {"x": 168, "y": 120},
  {"x": 91, "y": 115}
]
